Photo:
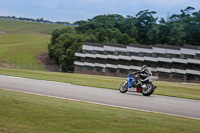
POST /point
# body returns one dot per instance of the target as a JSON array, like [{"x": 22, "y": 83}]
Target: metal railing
[{"x": 29, "y": 66}]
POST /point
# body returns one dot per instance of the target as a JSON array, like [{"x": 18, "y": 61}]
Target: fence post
[
  {"x": 33, "y": 67},
  {"x": 60, "y": 68},
  {"x": 10, "y": 65},
  {"x": 15, "y": 65}
]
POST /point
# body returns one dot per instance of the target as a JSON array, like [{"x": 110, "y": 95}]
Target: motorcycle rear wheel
[
  {"x": 149, "y": 90},
  {"x": 123, "y": 87}
]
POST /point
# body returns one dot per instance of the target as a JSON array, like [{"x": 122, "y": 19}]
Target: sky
[{"x": 75, "y": 10}]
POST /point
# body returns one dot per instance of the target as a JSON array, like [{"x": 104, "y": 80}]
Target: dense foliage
[
  {"x": 144, "y": 28},
  {"x": 64, "y": 43}
]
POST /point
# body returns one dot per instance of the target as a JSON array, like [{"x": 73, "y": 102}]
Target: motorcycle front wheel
[
  {"x": 123, "y": 87},
  {"x": 148, "y": 90}
]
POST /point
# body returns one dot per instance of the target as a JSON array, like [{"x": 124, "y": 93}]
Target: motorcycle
[{"x": 140, "y": 83}]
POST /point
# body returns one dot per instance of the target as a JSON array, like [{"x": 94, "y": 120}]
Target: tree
[
  {"x": 145, "y": 23},
  {"x": 194, "y": 33},
  {"x": 128, "y": 25},
  {"x": 181, "y": 28},
  {"x": 178, "y": 30},
  {"x": 54, "y": 47},
  {"x": 63, "y": 51},
  {"x": 109, "y": 29}
]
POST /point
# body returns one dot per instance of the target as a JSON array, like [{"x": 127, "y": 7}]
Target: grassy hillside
[
  {"x": 23, "y": 41},
  {"x": 27, "y": 27}
]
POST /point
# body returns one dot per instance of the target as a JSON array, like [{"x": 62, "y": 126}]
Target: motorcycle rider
[
  {"x": 145, "y": 71},
  {"x": 142, "y": 74}
]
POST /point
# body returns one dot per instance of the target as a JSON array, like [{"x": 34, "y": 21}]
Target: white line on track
[{"x": 38, "y": 80}]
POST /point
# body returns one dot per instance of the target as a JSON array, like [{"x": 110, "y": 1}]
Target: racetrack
[{"x": 154, "y": 103}]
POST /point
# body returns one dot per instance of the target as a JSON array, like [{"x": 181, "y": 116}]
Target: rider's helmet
[
  {"x": 146, "y": 70},
  {"x": 144, "y": 67}
]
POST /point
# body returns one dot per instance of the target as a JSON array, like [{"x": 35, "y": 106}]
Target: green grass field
[
  {"x": 182, "y": 90},
  {"x": 23, "y": 41},
  {"x": 24, "y": 113}
]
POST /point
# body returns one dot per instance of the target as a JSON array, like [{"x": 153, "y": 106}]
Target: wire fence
[{"x": 29, "y": 66}]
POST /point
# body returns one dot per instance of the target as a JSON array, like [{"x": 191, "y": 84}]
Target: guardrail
[{"x": 29, "y": 66}]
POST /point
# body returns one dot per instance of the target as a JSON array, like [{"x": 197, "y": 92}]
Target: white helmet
[
  {"x": 146, "y": 70},
  {"x": 144, "y": 67}
]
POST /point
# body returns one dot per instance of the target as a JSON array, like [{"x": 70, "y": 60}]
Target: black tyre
[
  {"x": 123, "y": 87},
  {"x": 149, "y": 90}
]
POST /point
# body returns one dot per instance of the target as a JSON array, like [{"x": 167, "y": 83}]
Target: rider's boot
[{"x": 138, "y": 83}]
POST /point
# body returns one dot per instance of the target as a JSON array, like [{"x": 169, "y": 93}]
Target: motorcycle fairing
[{"x": 130, "y": 80}]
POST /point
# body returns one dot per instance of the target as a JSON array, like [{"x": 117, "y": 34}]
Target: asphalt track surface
[{"x": 130, "y": 100}]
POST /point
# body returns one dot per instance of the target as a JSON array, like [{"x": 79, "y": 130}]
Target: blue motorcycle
[{"x": 139, "y": 83}]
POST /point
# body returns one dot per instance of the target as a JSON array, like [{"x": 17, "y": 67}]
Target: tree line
[
  {"x": 144, "y": 28},
  {"x": 41, "y": 20}
]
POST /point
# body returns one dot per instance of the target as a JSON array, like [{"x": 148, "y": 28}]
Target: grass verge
[
  {"x": 191, "y": 91},
  {"x": 22, "y": 113}
]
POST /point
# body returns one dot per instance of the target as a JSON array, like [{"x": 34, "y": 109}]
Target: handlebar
[{"x": 134, "y": 73}]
